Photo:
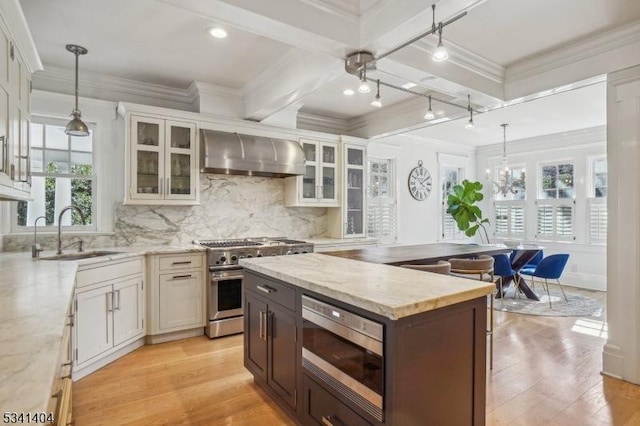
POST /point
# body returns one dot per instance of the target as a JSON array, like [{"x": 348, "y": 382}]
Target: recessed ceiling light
[
  {"x": 348, "y": 92},
  {"x": 217, "y": 32},
  {"x": 409, "y": 85}
]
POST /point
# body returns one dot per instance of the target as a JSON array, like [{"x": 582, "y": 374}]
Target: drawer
[
  {"x": 180, "y": 261},
  {"x": 110, "y": 271},
  {"x": 322, "y": 408},
  {"x": 271, "y": 290}
]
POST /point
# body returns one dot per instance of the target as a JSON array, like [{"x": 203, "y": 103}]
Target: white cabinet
[
  {"x": 318, "y": 187},
  {"x": 350, "y": 220},
  {"x": 177, "y": 297},
  {"x": 161, "y": 159},
  {"x": 109, "y": 313},
  {"x": 15, "y": 110}
]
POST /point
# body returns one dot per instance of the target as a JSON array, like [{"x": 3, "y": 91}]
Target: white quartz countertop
[
  {"x": 34, "y": 298},
  {"x": 389, "y": 291}
]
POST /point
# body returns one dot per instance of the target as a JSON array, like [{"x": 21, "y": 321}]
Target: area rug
[{"x": 577, "y": 306}]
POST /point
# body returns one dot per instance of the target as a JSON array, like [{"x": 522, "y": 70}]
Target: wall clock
[{"x": 420, "y": 182}]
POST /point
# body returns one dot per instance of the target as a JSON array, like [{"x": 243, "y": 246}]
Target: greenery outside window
[
  {"x": 556, "y": 181},
  {"x": 62, "y": 173}
]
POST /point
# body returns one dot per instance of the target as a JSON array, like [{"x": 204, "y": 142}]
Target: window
[
  {"x": 556, "y": 181},
  {"x": 555, "y": 220},
  {"x": 508, "y": 219},
  {"x": 381, "y": 210},
  {"x": 451, "y": 176},
  {"x": 597, "y": 202},
  {"x": 62, "y": 173}
]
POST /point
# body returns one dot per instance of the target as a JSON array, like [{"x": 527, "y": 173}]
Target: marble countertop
[
  {"x": 389, "y": 291},
  {"x": 34, "y": 298}
]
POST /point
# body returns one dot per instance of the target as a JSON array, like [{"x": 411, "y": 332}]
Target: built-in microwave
[{"x": 346, "y": 352}]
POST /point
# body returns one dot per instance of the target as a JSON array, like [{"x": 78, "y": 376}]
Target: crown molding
[
  {"x": 200, "y": 88},
  {"x": 321, "y": 123},
  {"x": 13, "y": 17},
  {"x": 102, "y": 86},
  {"x": 337, "y": 8},
  {"x": 466, "y": 59},
  {"x": 568, "y": 54}
]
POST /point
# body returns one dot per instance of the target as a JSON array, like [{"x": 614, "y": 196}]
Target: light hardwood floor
[{"x": 547, "y": 371}]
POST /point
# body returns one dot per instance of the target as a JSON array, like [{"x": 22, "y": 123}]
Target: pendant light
[
  {"x": 76, "y": 127},
  {"x": 469, "y": 124},
  {"x": 429, "y": 115},
  {"x": 440, "y": 54},
  {"x": 376, "y": 101}
]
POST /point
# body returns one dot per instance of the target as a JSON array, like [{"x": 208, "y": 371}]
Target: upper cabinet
[
  {"x": 162, "y": 164},
  {"x": 349, "y": 220},
  {"x": 318, "y": 187},
  {"x": 16, "y": 67}
]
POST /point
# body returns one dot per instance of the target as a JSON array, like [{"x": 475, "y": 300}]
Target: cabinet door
[
  {"x": 355, "y": 191},
  {"x": 147, "y": 158},
  {"x": 180, "y": 161},
  {"x": 93, "y": 329},
  {"x": 255, "y": 335},
  {"x": 328, "y": 172},
  {"x": 282, "y": 353},
  {"x": 4, "y": 138},
  {"x": 310, "y": 185},
  {"x": 128, "y": 310},
  {"x": 180, "y": 301}
]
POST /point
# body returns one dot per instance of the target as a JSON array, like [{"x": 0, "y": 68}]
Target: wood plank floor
[{"x": 547, "y": 372}]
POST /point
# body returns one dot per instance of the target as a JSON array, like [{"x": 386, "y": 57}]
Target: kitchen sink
[{"x": 82, "y": 255}]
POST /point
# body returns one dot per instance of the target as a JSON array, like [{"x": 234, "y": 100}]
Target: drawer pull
[
  {"x": 331, "y": 421},
  {"x": 186, "y": 262},
  {"x": 266, "y": 289},
  {"x": 182, "y": 277}
]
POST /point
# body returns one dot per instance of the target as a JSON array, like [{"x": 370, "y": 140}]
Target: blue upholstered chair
[
  {"x": 530, "y": 267},
  {"x": 502, "y": 268},
  {"x": 550, "y": 267}
]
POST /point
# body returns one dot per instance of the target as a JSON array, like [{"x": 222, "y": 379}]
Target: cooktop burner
[{"x": 229, "y": 243}]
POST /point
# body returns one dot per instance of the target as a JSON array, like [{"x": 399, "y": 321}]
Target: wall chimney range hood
[{"x": 238, "y": 154}]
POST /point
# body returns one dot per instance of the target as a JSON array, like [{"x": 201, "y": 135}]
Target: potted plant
[{"x": 461, "y": 206}]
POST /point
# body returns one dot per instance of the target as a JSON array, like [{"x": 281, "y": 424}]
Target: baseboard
[
  {"x": 175, "y": 335},
  {"x": 586, "y": 281},
  {"x": 612, "y": 361},
  {"x": 79, "y": 373}
]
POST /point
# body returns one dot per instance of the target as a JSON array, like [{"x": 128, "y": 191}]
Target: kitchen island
[{"x": 422, "y": 341}]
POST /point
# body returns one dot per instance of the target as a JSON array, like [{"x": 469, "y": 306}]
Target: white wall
[
  {"x": 420, "y": 221},
  {"x": 587, "y": 261}
]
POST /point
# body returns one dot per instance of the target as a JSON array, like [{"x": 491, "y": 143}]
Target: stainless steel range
[{"x": 224, "y": 292}]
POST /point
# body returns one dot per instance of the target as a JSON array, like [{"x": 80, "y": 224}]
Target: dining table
[{"x": 522, "y": 254}]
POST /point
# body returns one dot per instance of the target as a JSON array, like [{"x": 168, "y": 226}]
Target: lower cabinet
[
  {"x": 107, "y": 317},
  {"x": 109, "y": 313},
  {"x": 180, "y": 301},
  {"x": 270, "y": 342},
  {"x": 322, "y": 408}
]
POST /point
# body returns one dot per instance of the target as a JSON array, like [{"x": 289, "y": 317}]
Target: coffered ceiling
[{"x": 288, "y": 54}]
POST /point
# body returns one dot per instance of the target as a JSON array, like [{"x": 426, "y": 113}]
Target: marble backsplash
[{"x": 231, "y": 207}]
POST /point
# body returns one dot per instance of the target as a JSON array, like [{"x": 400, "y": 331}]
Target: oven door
[{"x": 225, "y": 294}]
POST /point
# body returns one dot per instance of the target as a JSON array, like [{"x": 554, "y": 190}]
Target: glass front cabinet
[
  {"x": 318, "y": 187},
  {"x": 349, "y": 220},
  {"x": 163, "y": 167}
]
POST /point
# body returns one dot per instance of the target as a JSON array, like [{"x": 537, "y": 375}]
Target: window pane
[
  {"x": 82, "y": 143},
  {"x": 82, "y": 197},
  {"x": 549, "y": 194},
  {"x": 56, "y": 161},
  {"x": 565, "y": 193},
  {"x": 36, "y": 135},
  {"x": 600, "y": 166},
  {"x": 81, "y": 163},
  {"x": 549, "y": 176},
  {"x": 36, "y": 160},
  {"x": 55, "y": 137}
]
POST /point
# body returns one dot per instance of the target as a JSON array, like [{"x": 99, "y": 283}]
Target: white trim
[{"x": 11, "y": 13}]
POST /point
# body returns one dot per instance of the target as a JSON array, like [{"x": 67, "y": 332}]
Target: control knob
[
  {"x": 249, "y": 256},
  {"x": 259, "y": 254},
  {"x": 289, "y": 252},
  {"x": 223, "y": 259},
  {"x": 234, "y": 258}
]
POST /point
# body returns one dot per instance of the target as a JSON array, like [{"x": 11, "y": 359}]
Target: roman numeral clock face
[{"x": 420, "y": 182}]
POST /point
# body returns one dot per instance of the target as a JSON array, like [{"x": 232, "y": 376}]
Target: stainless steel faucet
[
  {"x": 35, "y": 247},
  {"x": 60, "y": 225}
]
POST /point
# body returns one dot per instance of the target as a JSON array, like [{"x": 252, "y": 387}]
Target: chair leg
[
  {"x": 501, "y": 292},
  {"x": 516, "y": 287},
  {"x": 562, "y": 289},
  {"x": 546, "y": 284}
]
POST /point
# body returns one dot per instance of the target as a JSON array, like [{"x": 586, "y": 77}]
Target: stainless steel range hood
[{"x": 238, "y": 154}]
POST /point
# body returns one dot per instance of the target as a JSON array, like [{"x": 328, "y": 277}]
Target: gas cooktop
[{"x": 224, "y": 253}]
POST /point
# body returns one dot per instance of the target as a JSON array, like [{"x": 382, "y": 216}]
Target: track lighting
[
  {"x": 364, "y": 84},
  {"x": 429, "y": 115},
  {"x": 376, "y": 101},
  {"x": 469, "y": 124},
  {"x": 440, "y": 54}
]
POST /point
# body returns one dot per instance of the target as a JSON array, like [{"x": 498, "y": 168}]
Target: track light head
[{"x": 440, "y": 54}]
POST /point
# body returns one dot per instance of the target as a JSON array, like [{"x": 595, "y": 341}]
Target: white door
[
  {"x": 93, "y": 327},
  {"x": 147, "y": 158},
  {"x": 181, "y": 301},
  {"x": 128, "y": 310}
]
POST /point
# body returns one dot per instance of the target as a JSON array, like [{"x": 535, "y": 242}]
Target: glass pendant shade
[
  {"x": 440, "y": 54},
  {"x": 364, "y": 87},
  {"x": 376, "y": 102},
  {"x": 429, "y": 115}
]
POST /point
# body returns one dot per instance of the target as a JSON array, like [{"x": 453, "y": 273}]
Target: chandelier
[
  {"x": 361, "y": 62},
  {"x": 506, "y": 184}
]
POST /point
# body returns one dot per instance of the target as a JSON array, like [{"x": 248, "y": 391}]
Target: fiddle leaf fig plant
[{"x": 461, "y": 206}]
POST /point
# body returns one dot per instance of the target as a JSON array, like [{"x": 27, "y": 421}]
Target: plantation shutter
[
  {"x": 597, "y": 220},
  {"x": 545, "y": 220},
  {"x": 517, "y": 220},
  {"x": 501, "y": 217},
  {"x": 564, "y": 221}
]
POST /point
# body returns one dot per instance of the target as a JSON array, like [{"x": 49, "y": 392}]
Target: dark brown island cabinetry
[{"x": 434, "y": 362}]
